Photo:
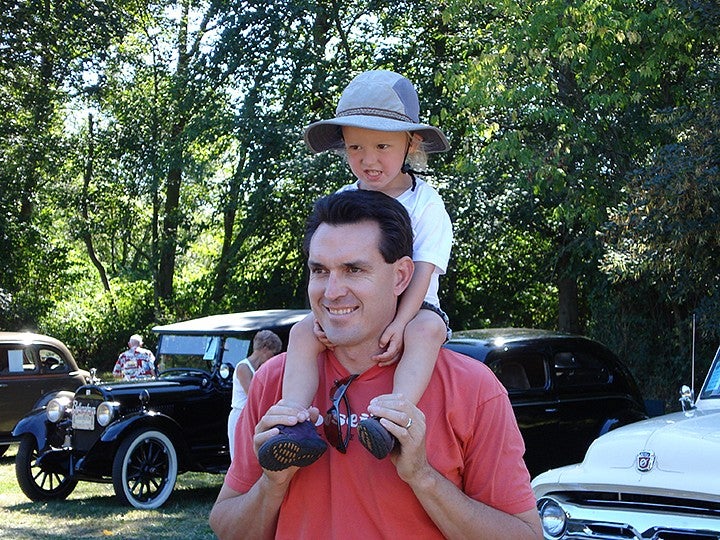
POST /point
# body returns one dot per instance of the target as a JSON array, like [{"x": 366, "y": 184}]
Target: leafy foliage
[{"x": 153, "y": 168}]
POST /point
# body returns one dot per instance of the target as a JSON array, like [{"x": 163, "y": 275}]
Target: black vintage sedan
[
  {"x": 34, "y": 368},
  {"x": 566, "y": 390},
  {"x": 141, "y": 435}
]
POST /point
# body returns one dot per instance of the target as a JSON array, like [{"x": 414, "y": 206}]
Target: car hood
[
  {"x": 157, "y": 391},
  {"x": 681, "y": 452}
]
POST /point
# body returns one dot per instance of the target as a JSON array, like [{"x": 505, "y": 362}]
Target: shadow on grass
[
  {"x": 7, "y": 460},
  {"x": 93, "y": 511},
  {"x": 106, "y": 505},
  {"x": 101, "y": 515}
]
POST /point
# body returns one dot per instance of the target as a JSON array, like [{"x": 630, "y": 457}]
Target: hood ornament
[{"x": 645, "y": 461}]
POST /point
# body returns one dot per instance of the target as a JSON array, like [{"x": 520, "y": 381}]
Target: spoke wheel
[
  {"x": 145, "y": 469},
  {"x": 40, "y": 483}
]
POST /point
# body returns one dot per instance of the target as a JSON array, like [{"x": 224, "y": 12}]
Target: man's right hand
[
  {"x": 254, "y": 513},
  {"x": 282, "y": 413}
]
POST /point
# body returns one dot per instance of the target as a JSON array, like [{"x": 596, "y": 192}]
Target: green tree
[
  {"x": 275, "y": 180},
  {"x": 160, "y": 136},
  {"x": 665, "y": 229},
  {"x": 560, "y": 97},
  {"x": 43, "y": 46}
]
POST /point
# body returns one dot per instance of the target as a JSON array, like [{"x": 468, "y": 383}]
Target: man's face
[{"x": 353, "y": 291}]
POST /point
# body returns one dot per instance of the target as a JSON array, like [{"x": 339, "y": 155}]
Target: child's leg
[
  {"x": 300, "y": 380},
  {"x": 298, "y": 445},
  {"x": 424, "y": 335}
]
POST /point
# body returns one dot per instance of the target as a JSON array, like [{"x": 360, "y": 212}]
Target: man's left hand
[{"x": 407, "y": 423}]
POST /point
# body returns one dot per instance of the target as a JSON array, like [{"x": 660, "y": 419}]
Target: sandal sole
[
  {"x": 378, "y": 441},
  {"x": 278, "y": 455}
]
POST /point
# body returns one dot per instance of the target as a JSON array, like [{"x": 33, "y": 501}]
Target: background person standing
[
  {"x": 266, "y": 344},
  {"x": 136, "y": 362}
]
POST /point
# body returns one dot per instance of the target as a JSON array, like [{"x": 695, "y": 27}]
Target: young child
[{"x": 377, "y": 126}]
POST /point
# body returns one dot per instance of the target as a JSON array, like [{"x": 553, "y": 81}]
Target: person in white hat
[
  {"x": 136, "y": 362},
  {"x": 377, "y": 127}
]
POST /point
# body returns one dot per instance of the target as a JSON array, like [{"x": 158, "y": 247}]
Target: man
[
  {"x": 266, "y": 344},
  {"x": 467, "y": 480},
  {"x": 136, "y": 362}
]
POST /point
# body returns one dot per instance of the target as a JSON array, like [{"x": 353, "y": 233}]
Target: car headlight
[
  {"x": 552, "y": 517},
  {"x": 224, "y": 371},
  {"x": 56, "y": 407},
  {"x": 106, "y": 412}
]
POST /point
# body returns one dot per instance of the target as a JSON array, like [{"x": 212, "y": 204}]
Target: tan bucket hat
[{"x": 379, "y": 100}]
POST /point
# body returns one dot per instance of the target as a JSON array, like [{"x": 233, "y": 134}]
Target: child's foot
[
  {"x": 375, "y": 437},
  {"x": 295, "y": 446}
]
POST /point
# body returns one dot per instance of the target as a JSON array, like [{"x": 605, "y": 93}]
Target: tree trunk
[
  {"x": 568, "y": 313},
  {"x": 172, "y": 213},
  {"x": 168, "y": 243},
  {"x": 86, "y": 234}
]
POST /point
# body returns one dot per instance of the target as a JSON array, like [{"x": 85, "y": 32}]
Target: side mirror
[{"x": 687, "y": 398}]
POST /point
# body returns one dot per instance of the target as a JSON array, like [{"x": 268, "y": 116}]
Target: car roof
[
  {"x": 478, "y": 343},
  {"x": 30, "y": 337},
  {"x": 228, "y": 323},
  {"x": 491, "y": 336}
]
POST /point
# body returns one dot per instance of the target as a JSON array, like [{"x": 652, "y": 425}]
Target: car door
[
  {"x": 19, "y": 383},
  {"x": 525, "y": 375},
  {"x": 582, "y": 381}
]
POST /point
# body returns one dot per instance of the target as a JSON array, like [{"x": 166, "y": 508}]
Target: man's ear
[{"x": 404, "y": 269}]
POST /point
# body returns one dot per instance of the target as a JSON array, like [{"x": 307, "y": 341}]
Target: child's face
[{"x": 376, "y": 158}]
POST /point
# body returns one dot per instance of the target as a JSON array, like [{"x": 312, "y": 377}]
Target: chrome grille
[
  {"x": 654, "y": 503},
  {"x": 83, "y": 439}
]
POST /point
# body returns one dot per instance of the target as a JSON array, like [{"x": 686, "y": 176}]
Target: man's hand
[
  {"x": 407, "y": 423},
  {"x": 282, "y": 413},
  {"x": 254, "y": 513}
]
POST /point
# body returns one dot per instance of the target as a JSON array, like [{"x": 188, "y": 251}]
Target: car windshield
[
  {"x": 711, "y": 390},
  {"x": 200, "y": 351}
]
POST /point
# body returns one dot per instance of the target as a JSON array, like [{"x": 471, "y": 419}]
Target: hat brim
[{"x": 327, "y": 134}]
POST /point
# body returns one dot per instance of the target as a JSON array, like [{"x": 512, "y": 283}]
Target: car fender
[
  {"x": 33, "y": 423},
  {"x": 45, "y": 398},
  {"x": 117, "y": 431}
]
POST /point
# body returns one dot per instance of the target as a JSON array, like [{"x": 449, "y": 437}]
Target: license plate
[{"x": 83, "y": 418}]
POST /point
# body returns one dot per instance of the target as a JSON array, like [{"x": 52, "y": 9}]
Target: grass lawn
[{"x": 92, "y": 511}]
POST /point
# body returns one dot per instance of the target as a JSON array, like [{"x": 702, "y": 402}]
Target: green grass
[{"x": 92, "y": 511}]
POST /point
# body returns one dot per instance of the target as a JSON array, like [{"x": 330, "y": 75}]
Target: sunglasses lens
[
  {"x": 332, "y": 429},
  {"x": 337, "y": 432}
]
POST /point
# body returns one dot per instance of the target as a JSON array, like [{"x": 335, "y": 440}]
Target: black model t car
[
  {"x": 33, "y": 369},
  {"x": 566, "y": 390},
  {"x": 141, "y": 435}
]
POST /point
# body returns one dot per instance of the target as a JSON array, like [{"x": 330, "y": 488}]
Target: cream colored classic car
[{"x": 654, "y": 479}]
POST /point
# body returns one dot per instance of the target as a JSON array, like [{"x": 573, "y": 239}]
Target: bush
[{"x": 96, "y": 325}]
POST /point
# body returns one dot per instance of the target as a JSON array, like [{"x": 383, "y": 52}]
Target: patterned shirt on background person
[{"x": 135, "y": 363}]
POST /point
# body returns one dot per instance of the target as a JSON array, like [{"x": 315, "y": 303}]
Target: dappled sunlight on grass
[{"x": 92, "y": 511}]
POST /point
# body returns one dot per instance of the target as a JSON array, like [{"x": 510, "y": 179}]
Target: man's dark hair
[{"x": 358, "y": 205}]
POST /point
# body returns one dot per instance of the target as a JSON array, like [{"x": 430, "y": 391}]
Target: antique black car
[
  {"x": 141, "y": 435},
  {"x": 566, "y": 390}
]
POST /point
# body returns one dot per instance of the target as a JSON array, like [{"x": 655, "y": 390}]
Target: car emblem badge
[{"x": 645, "y": 461}]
